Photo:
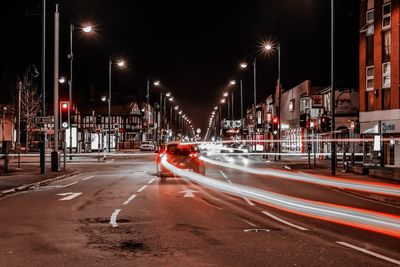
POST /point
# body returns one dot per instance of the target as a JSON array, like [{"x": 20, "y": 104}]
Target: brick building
[{"x": 379, "y": 81}]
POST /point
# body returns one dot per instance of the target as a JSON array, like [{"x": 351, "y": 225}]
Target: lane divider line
[
  {"x": 248, "y": 201},
  {"x": 87, "y": 178},
  {"x": 249, "y": 223},
  {"x": 129, "y": 199},
  {"x": 113, "y": 219},
  {"x": 229, "y": 181},
  {"x": 70, "y": 184},
  {"x": 283, "y": 221},
  {"x": 223, "y": 174},
  {"x": 141, "y": 189},
  {"x": 151, "y": 181},
  {"x": 366, "y": 251}
]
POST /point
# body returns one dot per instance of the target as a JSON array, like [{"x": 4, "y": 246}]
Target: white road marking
[
  {"x": 397, "y": 262},
  {"x": 69, "y": 196},
  {"x": 285, "y": 222},
  {"x": 113, "y": 219},
  {"x": 129, "y": 200},
  {"x": 249, "y": 201},
  {"x": 249, "y": 223},
  {"x": 223, "y": 174},
  {"x": 70, "y": 184},
  {"x": 141, "y": 189},
  {"x": 87, "y": 178},
  {"x": 229, "y": 181},
  {"x": 189, "y": 193},
  {"x": 152, "y": 180}
]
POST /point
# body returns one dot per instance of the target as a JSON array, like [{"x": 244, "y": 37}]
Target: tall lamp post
[
  {"x": 155, "y": 83},
  {"x": 120, "y": 64},
  {"x": 86, "y": 29},
  {"x": 268, "y": 47},
  {"x": 333, "y": 144}
]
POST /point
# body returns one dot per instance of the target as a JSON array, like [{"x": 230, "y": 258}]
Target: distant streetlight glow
[
  {"x": 121, "y": 63},
  {"x": 61, "y": 80},
  {"x": 216, "y": 107},
  {"x": 176, "y": 107},
  {"x": 168, "y": 94},
  {"x": 233, "y": 82},
  {"x": 103, "y": 98},
  {"x": 156, "y": 83},
  {"x": 87, "y": 28},
  {"x": 171, "y": 99},
  {"x": 243, "y": 65},
  {"x": 268, "y": 47},
  {"x": 223, "y": 100},
  {"x": 225, "y": 94}
]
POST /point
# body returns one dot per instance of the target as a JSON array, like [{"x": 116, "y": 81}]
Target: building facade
[{"x": 379, "y": 71}]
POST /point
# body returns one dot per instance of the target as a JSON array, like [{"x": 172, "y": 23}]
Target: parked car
[
  {"x": 147, "y": 146},
  {"x": 184, "y": 156}
]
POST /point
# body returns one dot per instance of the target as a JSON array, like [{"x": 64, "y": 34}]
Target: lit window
[
  {"x": 386, "y": 75},
  {"x": 291, "y": 105},
  {"x": 370, "y": 78},
  {"x": 386, "y": 13}
]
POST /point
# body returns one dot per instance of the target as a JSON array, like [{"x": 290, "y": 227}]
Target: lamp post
[
  {"x": 268, "y": 47},
  {"x": 156, "y": 83},
  {"x": 85, "y": 29},
  {"x": 119, "y": 63},
  {"x": 333, "y": 145}
]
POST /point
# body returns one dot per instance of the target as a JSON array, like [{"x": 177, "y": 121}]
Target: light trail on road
[
  {"x": 364, "y": 219},
  {"x": 371, "y": 187}
]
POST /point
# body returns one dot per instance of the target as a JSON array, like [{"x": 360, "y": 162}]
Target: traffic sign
[{"x": 43, "y": 120}]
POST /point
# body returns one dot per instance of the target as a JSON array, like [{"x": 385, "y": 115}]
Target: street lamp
[
  {"x": 120, "y": 63},
  {"x": 86, "y": 29},
  {"x": 62, "y": 80},
  {"x": 267, "y": 48},
  {"x": 155, "y": 83}
]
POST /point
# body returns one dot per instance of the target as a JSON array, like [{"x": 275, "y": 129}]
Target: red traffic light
[
  {"x": 275, "y": 121},
  {"x": 64, "y": 105}
]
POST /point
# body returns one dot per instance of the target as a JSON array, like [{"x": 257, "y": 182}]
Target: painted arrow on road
[
  {"x": 68, "y": 196},
  {"x": 189, "y": 193}
]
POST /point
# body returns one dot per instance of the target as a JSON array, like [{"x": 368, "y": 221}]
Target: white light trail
[
  {"x": 378, "y": 188},
  {"x": 369, "y": 220}
]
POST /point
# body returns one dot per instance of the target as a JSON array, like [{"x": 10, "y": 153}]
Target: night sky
[{"x": 193, "y": 47}]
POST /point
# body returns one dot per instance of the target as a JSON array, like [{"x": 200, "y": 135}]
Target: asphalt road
[{"x": 119, "y": 214}]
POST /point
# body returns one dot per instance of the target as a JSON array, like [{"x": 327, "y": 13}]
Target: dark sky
[{"x": 193, "y": 47}]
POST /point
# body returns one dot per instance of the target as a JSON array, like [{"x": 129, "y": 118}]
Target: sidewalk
[
  {"x": 323, "y": 168},
  {"x": 28, "y": 177}
]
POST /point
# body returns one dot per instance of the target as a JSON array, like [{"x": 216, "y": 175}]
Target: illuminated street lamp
[
  {"x": 243, "y": 65},
  {"x": 62, "y": 80},
  {"x": 233, "y": 82},
  {"x": 120, "y": 63},
  {"x": 223, "y": 101},
  {"x": 267, "y": 48},
  {"x": 225, "y": 94},
  {"x": 85, "y": 29}
]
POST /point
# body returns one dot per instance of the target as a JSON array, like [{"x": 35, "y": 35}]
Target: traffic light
[
  {"x": 275, "y": 125},
  {"x": 303, "y": 120},
  {"x": 64, "y": 114},
  {"x": 326, "y": 123}
]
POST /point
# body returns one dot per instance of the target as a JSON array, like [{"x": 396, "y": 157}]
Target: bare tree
[{"x": 30, "y": 107}]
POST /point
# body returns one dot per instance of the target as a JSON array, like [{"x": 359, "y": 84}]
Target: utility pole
[
  {"x": 333, "y": 144},
  {"x": 109, "y": 104},
  {"x": 43, "y": 83},
  {"x": 55, "y": 157},
  {"x": 71, "y": 59}
]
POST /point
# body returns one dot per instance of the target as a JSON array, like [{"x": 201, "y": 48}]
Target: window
[
  {"x": 386, "y": 75},
  {"x": 386, "y": 13},
  {"x": 291, "y": 105},
  {"x": 370, "y": 50},
  {"x": 386, "y": 46},
  {"x": 370, "y": 78},
  {"x": 370, "y": 16}
]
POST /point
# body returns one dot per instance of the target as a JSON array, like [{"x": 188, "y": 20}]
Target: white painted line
[
  {"x": 288, "y": 168},
  {"x": 113, "y": 219},
  {"x": 223, "y": 174},
  {"x": 249, "y": 223},
  {"x": 141, "y": 189},
  {"x": 189, "y": 193},
  {"x": 397, "y": 262},
  {"x": 285, "y": 222},
  {"x": 249, "y": 201},
  {"x": 69, "y": 196},
  {"x": 87, "y": 178},
  {"x": 151, "y": 181},
  {"x": 70, "y": 184},
  {"x": 129, "y": 200}
]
